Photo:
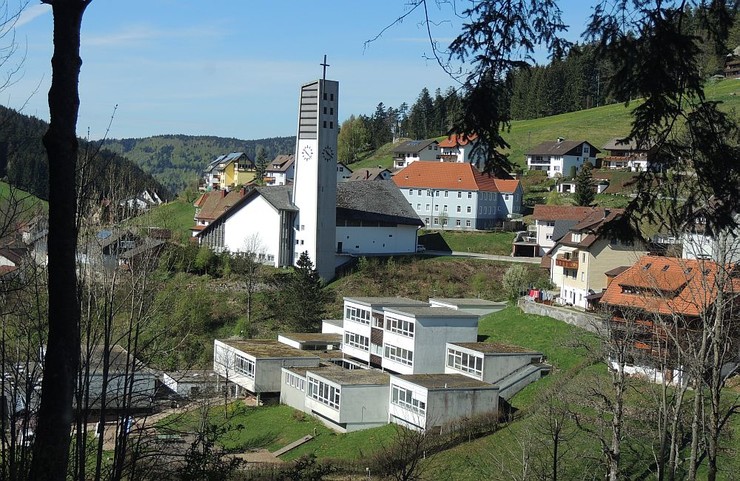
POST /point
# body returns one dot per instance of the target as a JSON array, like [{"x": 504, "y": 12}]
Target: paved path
[{"x": 490, "y": 257}]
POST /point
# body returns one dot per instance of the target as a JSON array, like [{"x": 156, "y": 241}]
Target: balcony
[{"x": 567, "y": 261}]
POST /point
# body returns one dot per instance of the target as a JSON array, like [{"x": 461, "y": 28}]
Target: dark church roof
[
  {"x": 379, "y": 201},
  {"x": 279, "y": 196}
]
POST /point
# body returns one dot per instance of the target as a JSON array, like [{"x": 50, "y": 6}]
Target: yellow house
[
  {"x": 580, "y": 259},
  {"x": 228, "y": 171}
]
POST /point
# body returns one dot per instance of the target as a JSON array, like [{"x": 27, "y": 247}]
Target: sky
[{"x": 232, "y": 68}]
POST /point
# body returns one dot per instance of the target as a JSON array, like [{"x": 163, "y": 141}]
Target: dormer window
[{"x": 576, "y": 237}]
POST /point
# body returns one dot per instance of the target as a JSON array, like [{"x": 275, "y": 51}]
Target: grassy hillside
[{"x": 597, "y": 125}]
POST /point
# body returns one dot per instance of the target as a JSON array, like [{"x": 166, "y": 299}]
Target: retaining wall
[{"x": 584, "y": 320}]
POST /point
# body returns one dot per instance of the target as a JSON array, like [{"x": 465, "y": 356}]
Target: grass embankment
[
  {"x": 497, "y": 243},
  {"x": 176, "y": 215}
]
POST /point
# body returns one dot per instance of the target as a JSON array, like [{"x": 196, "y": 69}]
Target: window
[
  {"x": 467, "y": 223},
  {"x": 436, "y": 221},
  {"x": 323, "y": 393},
  {"x": 583, "y": 276},
  {"x": 426, "y": 221},
  {"x": 469, "y": 209},
  {"x": 356, "y": 340},
  {"x": 444, "y": 209},
  {"x": 295, "y": 381},
  {"x": 436, "y": 207},
  {"x": 583, "y": 257},
  {"x": 411, "y": 191},
  {"x": 548, "y": 237},
  {"x": 400, "y": 326},
  {"x": 418, "y": 206},
  {"x": 506, "y": 196},
  {"x": 244, "y": 366},
  {"x": 405, "y": 398},
  {"x": 459, "y": 195},
  {"x": 398, "y": 354},
  {"x": 419, "y": 192},
  {"x": 470, "y": 195},
  {"x": 459, "y": 209},
  {"x": 576, "y": 237},
  {"x": 358, "y": 315},
  {"x": 426, "y": 207},
  {"x": 446, "y": 193},
  {"x": 465, "y": 362}
]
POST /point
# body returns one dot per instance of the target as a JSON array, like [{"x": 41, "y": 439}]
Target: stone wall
[{"x": 584, "y": 320}]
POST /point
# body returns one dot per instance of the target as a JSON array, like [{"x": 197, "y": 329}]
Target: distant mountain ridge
[
  {"x": 177, "y": 160},
  {"x": 23, "y": 162}
]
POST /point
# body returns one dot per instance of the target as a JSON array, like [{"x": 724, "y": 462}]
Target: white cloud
[{"x": 30, "y": 13}]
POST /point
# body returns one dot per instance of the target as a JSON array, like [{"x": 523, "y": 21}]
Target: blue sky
[{"x": 232, "y": 68}]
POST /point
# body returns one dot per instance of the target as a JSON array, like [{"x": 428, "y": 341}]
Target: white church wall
[
  {"x": 254, "y": 227},
  {"x": 377, "y": 240}
]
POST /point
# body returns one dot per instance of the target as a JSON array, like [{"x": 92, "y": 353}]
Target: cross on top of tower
[{"x": 324, "y": 64}]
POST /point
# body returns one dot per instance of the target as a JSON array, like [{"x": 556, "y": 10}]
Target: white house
[
  {"x": 561, "y": 156},
  {"x": 254, "y": 365},
  {"x": 456, "y": 196},
  {"x": 462, "y": 149},
  {"x": 414, "y": 150},
  {"x": 723, "y": 247},
  {"x": 344, "y": 173},
  {"x": 626, "y": 154},
  {"x": 425, "y": 401},
  {"x": 281, "y": 170},
  {"x": 192, "y": 383},
  {"x": 552, "y": 222}
]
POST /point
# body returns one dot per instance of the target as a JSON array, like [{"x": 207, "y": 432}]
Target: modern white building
[
  {"x": 561, "y": 157},
  {"x": 403, "y": 335},
  {"x": 424, "y": 401},
  {"x": 414, "y": 150},
  {"x": 192, "y": 383},
  {"x": 723, "y": 247},
  {"x": 508, "y": 367},
  {"x": 255, "y": 364},
  {"x": 455, "y": 196}
]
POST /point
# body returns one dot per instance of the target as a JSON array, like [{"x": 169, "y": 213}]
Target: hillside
[
  {"x": 24, "y": 164},
  {"x": 597, "y": 125},
  {"x": 177, "y": 160}
]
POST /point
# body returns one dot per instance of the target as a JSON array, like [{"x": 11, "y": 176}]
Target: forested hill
[
  {"x": 177, "y": 160},
  {"x": 24, "y": 164}
]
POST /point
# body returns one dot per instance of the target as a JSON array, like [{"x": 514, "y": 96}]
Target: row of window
[
  {"x": 399, "y": 354},
  {"x": 295, "y": 381},
  {"x": 356, "y": 340},
  {"x": 323, "y": 393},
  {"x": 244, "y": 366},
  {"x": 405, "y": 398},
  {"x": 458, "y": 223},
  {"x": 465, "y": 362},
  {"x": 436, "y": 193},
  {"x": 356, "y": 314},
  {"x": 405, "y": 328}
]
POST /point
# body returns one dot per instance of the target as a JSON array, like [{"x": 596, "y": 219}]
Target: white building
[
  {"x": 552, "y": 222},
  {"x": 281, "y": 170},
  {"x": 403, "y": 335},
  {"x": 723, "y": 247},
  {"x": 192, "y": 383},
  {"x": 626, "y": 154},
  {"x": 414, "y": 150},
  {"x": 425, "y": 401},
  {"x": 561, "y": 156},
  {"x": 456, "y": 196},
  {"x": 344, "y": 173},
  {"x": 255, "y": 365},
  {"x": 508, "y": 367},
  {"x": 462, "y": 149}
]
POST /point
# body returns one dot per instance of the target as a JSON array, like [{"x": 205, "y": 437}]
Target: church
[{"x": 332, "y": 222}]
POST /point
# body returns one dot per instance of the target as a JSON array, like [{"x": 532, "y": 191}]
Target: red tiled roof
[
  {"x": 454, "y": 140},
  {"x": 665, "y": 285},
  {"x": 217, "y": 202},
  {"x": 450, "y": 176},
  {"x": 561, "y": 212},
  {"x": 507, "y": 186}
]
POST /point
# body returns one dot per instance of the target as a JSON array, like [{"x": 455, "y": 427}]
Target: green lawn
[
  {"x": 176, "y": 215},
  {"x": 498, "y": 243}
]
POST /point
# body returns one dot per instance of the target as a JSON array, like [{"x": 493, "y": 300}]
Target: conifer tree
[{"x": 585, "y": 194}]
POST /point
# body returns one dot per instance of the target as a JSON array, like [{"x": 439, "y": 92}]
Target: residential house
[
  {"x": 344, "y": 173},
  {"x": 227, "y": 171},
  {"x": 732, "y": 64},
  {"x": 281, "y": 170},
  {"x": 721, "y": 247},
  {"x": 373, "y": 173},
  {"x": 458, "y": 196},
  {"x": 403, "y": 335},
  {"x": 509, "y": 367},
  {"x": 580, "y": 259},
  {"x": 552, "y": 222},
  {"x": 462, "y": 149},
  {"x": 210, "y": 205},
  {"x": 561, "y": 157},
  {"x": 254, "y": 365},
  {"x": 413, "y": 150},
  {"x": 658, "y": 301},
  {"x": 425, "y": 401},
  {"x": 626, "y": 154}
]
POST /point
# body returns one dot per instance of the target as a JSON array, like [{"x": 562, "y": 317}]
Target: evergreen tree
[
  {"x": 421, "y": 115},
  {"x": 260, "y": 164},
  {"x": 585, "y": 194}
]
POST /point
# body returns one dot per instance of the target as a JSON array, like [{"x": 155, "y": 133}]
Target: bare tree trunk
[{"x": 51, "y": 447}]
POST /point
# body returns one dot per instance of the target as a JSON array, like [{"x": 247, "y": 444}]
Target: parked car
[{"x": 420, "y": 248}]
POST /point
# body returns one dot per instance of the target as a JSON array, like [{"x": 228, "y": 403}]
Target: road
[{"x": 490, "y": 257}]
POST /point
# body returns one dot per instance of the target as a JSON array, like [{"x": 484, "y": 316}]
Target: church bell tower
[{"x": 315, "y": 182}]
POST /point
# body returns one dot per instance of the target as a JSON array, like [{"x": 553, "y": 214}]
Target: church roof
[
  {"x": 279, "y": 196},
  {"x": 379, "y": 201}
]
